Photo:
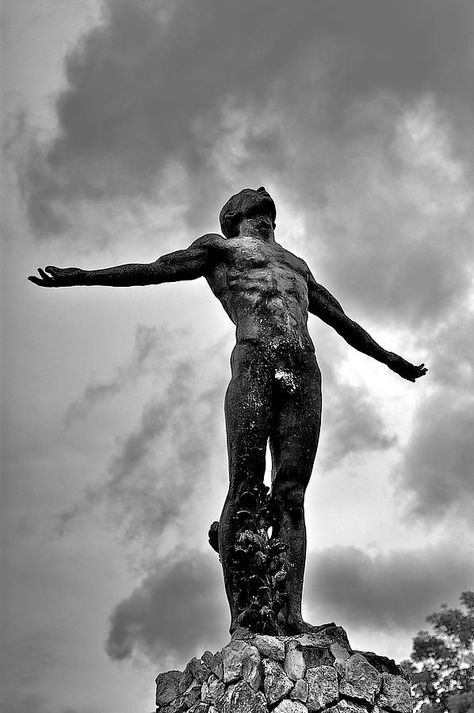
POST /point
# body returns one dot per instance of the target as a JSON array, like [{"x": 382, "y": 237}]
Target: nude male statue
[{"x": 275, "y": 391}]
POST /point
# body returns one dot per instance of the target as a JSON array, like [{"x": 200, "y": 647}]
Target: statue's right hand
[
  {"x": 404, "y": 368},
  {"x": 53, "y": 276}
]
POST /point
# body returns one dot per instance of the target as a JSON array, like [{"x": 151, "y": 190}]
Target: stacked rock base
[{"x": 255, "y": 673}]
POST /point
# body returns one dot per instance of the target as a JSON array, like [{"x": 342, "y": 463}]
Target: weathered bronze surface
[{"x": 274, "y": 397}]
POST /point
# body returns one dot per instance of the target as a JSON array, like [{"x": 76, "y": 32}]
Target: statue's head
[{"x": 246, "y": 204}]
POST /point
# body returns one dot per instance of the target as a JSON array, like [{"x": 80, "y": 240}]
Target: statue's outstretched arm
[
  {"x": 326, "y": 307},
  {"x": 186, "y": 264}
]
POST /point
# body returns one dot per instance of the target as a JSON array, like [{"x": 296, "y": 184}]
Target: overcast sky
[{"x": 127, "y": 125}]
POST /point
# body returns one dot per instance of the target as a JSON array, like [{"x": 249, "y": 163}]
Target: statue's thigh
[
  {"x": 248, "y": 411},
  {"x": 248, "y": 406},
  {"x": 295, "y": 430}
]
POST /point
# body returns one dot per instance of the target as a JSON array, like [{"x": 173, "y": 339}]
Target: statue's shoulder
[
  {"x": 209, "y": 240},
  {"x": 297, "y": 262}
]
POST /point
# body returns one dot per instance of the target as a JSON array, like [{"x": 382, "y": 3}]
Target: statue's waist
[
  {"x": 262, "y": 331},
  {"x": 274, "y": 353}
]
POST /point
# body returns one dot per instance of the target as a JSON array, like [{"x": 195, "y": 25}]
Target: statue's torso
[{"x": 263, "y": 289}]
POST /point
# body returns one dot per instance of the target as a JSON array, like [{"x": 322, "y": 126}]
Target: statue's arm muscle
[
  {"x": 326, "y": 307},
  {"x": 187, "y": 264}
]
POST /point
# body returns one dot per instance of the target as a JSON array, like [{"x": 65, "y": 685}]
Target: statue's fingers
[
  {"x": 35, "y": 280},
  {"x": 46, "y": 280},
  {"x": 53, "y": 271}
]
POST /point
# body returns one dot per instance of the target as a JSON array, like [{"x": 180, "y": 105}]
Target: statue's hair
[{"x": 231, "y": 214}]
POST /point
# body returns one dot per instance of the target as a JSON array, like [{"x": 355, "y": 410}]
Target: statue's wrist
[
  {"x": 390, "y": 359},
  {"x": 82, "y": 277}
]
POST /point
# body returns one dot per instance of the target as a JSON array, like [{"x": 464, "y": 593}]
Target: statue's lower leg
[
  {"x": 226, "y": 531},
  {"x": 289, "y": 527},
  {"x": 263, "y": 575},
  {"x": 254, "y": 564}
]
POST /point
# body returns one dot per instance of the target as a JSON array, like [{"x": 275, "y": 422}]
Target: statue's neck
[{"x": 259, "y": 226}]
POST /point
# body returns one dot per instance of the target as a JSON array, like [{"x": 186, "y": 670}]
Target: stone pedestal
[{"x": 307, "y": 673}]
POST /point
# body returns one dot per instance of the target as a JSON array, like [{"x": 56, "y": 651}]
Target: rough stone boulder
[{"x": 307, "y": 673}]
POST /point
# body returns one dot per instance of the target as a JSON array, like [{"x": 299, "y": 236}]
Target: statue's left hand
[
  {"x": 404, "y": 368},
  {"x": 53, "y": 276}
]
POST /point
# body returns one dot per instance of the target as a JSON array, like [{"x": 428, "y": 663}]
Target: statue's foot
[
  {"x": 298, "y": 626},
  {"x": 330, "y": 633}
]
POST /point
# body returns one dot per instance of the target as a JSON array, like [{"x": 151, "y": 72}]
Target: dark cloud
[
  {"x": 150, "y": 348},
  {"x": 158, "y": 467},
  {"x": 388, "y": 591},
  {"x": 438, "y": 465},
  {"x": 177, "y": 610},
  {"x": 352, "y": 424},
  {"x": 436, "y": 474},
  {"x": 388, "y": 254},
  {"x": 160, "y": 463},
  {"x": 351, "y": 421}
]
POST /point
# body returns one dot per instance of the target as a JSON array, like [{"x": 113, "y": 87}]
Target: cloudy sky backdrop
[{"x": 127, "y": 125}]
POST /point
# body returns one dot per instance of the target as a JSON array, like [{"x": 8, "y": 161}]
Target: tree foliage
[{"x": 442, "y": 661}]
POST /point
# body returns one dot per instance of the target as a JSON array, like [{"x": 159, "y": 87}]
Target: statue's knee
[{"x": 289, "y": 496}]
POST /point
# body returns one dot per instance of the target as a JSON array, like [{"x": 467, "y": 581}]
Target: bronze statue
[{"x": 274, "y": 396}]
